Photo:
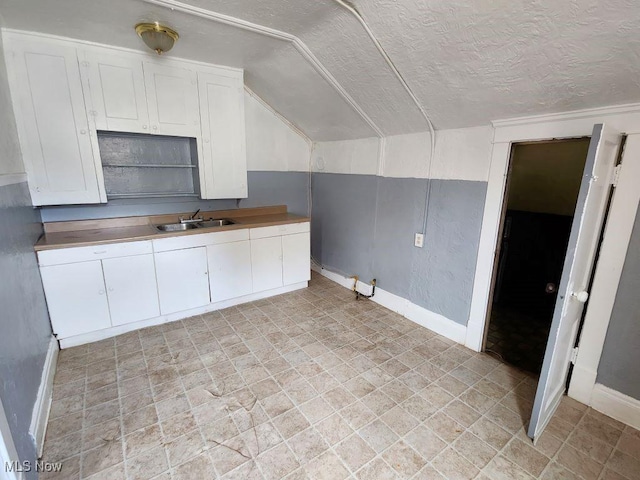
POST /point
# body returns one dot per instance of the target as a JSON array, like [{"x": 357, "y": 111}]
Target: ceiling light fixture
[{"x": 157, "y": 37}]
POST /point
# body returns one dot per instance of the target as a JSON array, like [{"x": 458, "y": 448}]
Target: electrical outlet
[{"x": 419, "y": 241}]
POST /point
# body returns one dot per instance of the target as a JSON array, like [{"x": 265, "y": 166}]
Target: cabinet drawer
[
  {"x": 279, "y": 230},
  {"x": 192, "y": 241},
  {"x": 95, "y": 252}
]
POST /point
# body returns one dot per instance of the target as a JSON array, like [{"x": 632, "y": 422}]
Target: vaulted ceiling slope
[{"x": 467, "y": 62}]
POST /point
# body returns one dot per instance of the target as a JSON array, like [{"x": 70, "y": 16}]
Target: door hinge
[
  {"x": 574, "y": 355},
  {"x": 616, "y": 175}
]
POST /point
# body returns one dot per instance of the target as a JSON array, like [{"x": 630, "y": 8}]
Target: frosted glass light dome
[{"x": 157, "y": 37}]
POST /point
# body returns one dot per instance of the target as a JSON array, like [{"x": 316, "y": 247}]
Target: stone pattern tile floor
[
  {"x": 519, "y": 338},
  {"x": 312, "y": 384}
]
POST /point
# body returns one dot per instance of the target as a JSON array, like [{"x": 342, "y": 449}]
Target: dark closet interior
[{"x": 542, "y": 191}]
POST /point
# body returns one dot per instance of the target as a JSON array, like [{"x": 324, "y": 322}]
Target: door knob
[{"x": 582, "y": 296}]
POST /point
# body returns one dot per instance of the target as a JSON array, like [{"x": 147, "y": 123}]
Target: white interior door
[{"x": 576, "y": 273}]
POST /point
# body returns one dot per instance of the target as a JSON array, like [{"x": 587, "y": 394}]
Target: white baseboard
[
  {"x": 40, "y": 416},
  {"x": 172, "y": 317},
  {"x": 420, "y": 315},
  {"x": 616, "y": 405}
]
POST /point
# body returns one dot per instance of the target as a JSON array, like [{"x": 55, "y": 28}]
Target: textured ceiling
[{"x": 467, "y": 62}]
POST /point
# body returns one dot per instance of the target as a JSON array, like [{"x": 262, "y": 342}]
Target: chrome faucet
[{"x": 192, "y": 218}]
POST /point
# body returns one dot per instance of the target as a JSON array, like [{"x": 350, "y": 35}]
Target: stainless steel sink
[
  {"x": 176, "y": 227},
  {"x": 215, "y": 223}
]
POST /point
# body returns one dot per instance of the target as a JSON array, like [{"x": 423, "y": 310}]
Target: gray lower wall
[
  {"x": 365, "y": 225},
  {"x": 618, "y": 367},
  {"x": 25, "y": 330},
  {"x": 265, "y": 188}
]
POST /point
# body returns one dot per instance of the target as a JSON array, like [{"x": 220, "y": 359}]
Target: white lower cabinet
[
  {"x": 131, "y": 288},
  {"x": 266, "y": 263},
  {"x": 96, "y": 288},
  {"x": 76, "y": 298},
  {"x": 183, "y": 280},
  {"x": 296, "y": 259},
  {"x": 229, "y": 270}
]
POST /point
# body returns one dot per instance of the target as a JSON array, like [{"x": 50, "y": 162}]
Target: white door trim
[
  {"x": 625, "y": 118},
  {"x": 613, "y": 253},
  {"x": 8, "y": 452}
]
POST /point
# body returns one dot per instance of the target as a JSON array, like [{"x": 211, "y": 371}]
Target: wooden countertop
[{"x": 129, "y": 229}]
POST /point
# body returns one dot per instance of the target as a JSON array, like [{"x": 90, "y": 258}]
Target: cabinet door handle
[
  {"x": 101, "y": 292},
  {"x": 111, "y": 289},
  {"x": 100, "y": 252},
  {"x": 144, "y": 127},
  {"x": 155, "y": 127},
  {"x": 83, "y": 132}
]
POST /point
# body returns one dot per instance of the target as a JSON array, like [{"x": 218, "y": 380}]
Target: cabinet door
[
  {"x": 223, "y": 158},
  {"x": 183, "y": 281},
  {"x": 229, "y": 270},
  {"x": 172, "y": 96},
  {"x": 117, "y": 97},
  {"x": 131, "y": 288},
  {"x": 52, "y": 122},
  {"x": 296, "y": 258},
  {"x": 76, "y": 298},
  {"x": 266, "y": 263}
]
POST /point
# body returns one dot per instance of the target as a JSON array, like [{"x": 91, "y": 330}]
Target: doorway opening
[{"x": 540, "y": 199}]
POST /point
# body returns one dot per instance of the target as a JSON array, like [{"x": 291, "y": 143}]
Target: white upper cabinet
[
  {"x": 52, "y": 122},
  {"x": 223, "y": 149},
  {"x": 172, "y": 95},
  {"x": 117, "y": 99},
  {"x": 64, "y": 91}
]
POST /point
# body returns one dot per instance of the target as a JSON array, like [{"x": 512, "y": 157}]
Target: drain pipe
[{"x": 354, "y": 11}]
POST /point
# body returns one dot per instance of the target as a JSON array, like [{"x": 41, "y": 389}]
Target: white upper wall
[
  {"x": 467, "y": 63},
  {"x": 10, "y": 154},
  {"x": 347, "y": 156},
  {"x": 461, "y": 154},
  {"x": 272, "y": 143}
]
